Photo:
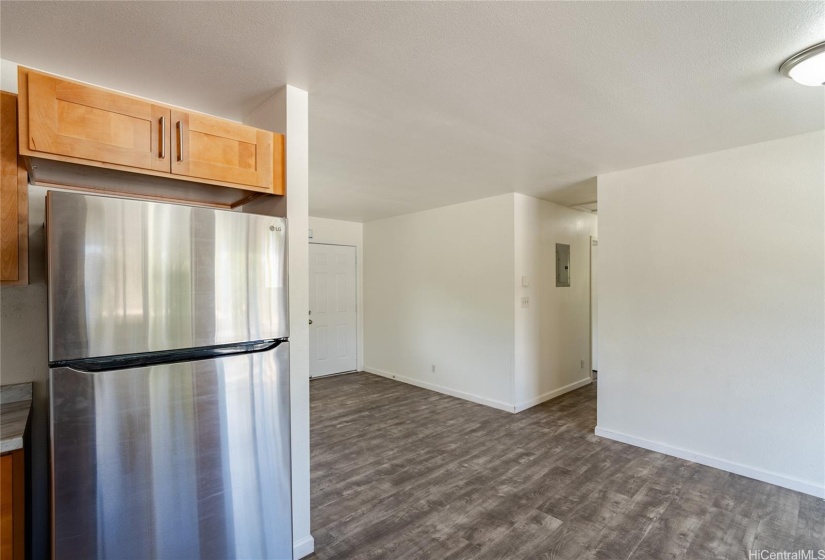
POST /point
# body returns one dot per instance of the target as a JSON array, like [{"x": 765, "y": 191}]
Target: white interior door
[{"x": 332, "y": 312}]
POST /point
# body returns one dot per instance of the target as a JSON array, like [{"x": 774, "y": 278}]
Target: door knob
[{"x": 310, "y": 321}]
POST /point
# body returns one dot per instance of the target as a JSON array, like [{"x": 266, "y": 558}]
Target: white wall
[
  {"x": 288, "y": 112},
  {"x": 339, "y": 232},
  {"x": 712, "y": 309},
  {"x": 438, "y": 289},
  {"x": 444, "y": 287},
  {"x": 24, "y": 357},
  {"x": 552, "y": 335}
]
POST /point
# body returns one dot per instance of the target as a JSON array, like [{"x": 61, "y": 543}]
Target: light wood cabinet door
[
  {"x": 14, "y": 205},
  {"x": 215, "y": 149},
  {"x": 12, "y": 506},
  {"x": 6, "y": 508},
  {"x": 68, "y": 127},
  {"x": 79, "y": 121}
]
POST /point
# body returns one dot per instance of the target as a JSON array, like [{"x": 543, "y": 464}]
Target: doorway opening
[{"x": 594, "y": 308}]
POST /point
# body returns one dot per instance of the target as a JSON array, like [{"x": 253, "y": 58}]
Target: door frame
[
  {"x": 357, "y": 309},
  {"x": 594, "y": 242}
]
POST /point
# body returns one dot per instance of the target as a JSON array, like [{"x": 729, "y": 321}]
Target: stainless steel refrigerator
[{"x": 169, "y": 376}]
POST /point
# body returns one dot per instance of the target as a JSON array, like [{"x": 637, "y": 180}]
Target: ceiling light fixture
[{"x": 806, "y": 67}]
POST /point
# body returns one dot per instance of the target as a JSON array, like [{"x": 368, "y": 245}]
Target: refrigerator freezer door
[
  {"x": 127, "y": 277},
  {"x": 186, "y": 460}
]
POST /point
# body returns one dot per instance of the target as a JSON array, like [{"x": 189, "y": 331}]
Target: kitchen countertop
[{"x": 15, "y": 409}]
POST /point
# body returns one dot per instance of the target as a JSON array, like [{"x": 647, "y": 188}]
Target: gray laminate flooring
[{"x": 400, "y": 472}]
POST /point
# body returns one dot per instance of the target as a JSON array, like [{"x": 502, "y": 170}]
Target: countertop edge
[
  {"x": 11, "y": 444},
  {"x": 15, "y": 392},
  {"x": 15, "y": 415}
]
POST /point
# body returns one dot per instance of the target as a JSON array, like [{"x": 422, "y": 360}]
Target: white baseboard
[
  {"x": 552, "y": 394},
  {"x": 303, "y": 547},
  {"x": 441, "y": 389},
  {"x": 751, "y": 472}
]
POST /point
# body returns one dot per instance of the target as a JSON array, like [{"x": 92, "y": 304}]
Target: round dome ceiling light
[{"x": 806, "y": 67}]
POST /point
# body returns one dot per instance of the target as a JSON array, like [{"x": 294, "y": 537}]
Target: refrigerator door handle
[{"x": 128, "y": 361}]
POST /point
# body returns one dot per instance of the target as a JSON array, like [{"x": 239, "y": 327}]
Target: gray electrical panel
[{"x": 562, "y": 265}]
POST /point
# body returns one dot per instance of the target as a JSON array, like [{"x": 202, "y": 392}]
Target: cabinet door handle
[
  {"x": 163, "y": 138},
  {"x": 179, "y": 127}
]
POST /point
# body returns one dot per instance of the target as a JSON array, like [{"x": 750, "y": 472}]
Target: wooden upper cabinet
[
  {"x": 210, "y": 148},
  {"x": 74, "y": 123},
  {"x": 70, "y": 119}
]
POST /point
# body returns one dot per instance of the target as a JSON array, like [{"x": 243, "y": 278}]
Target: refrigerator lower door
[{"x": 183, "y": 460}]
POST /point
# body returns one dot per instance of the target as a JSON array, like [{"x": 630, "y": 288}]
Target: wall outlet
[
  {"x": 525, "y": 302},
  {"x": 581, "y": 364},
  {"x": 433, "y": 367}
]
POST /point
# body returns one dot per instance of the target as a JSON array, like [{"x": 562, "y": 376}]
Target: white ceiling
[{"x": 419, "y": 105}]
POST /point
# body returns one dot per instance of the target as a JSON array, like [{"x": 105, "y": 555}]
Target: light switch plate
[{"x": 524, "y": 282}]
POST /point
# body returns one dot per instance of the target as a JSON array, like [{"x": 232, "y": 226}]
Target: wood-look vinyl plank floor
[{"x": 404, "y": 473}]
